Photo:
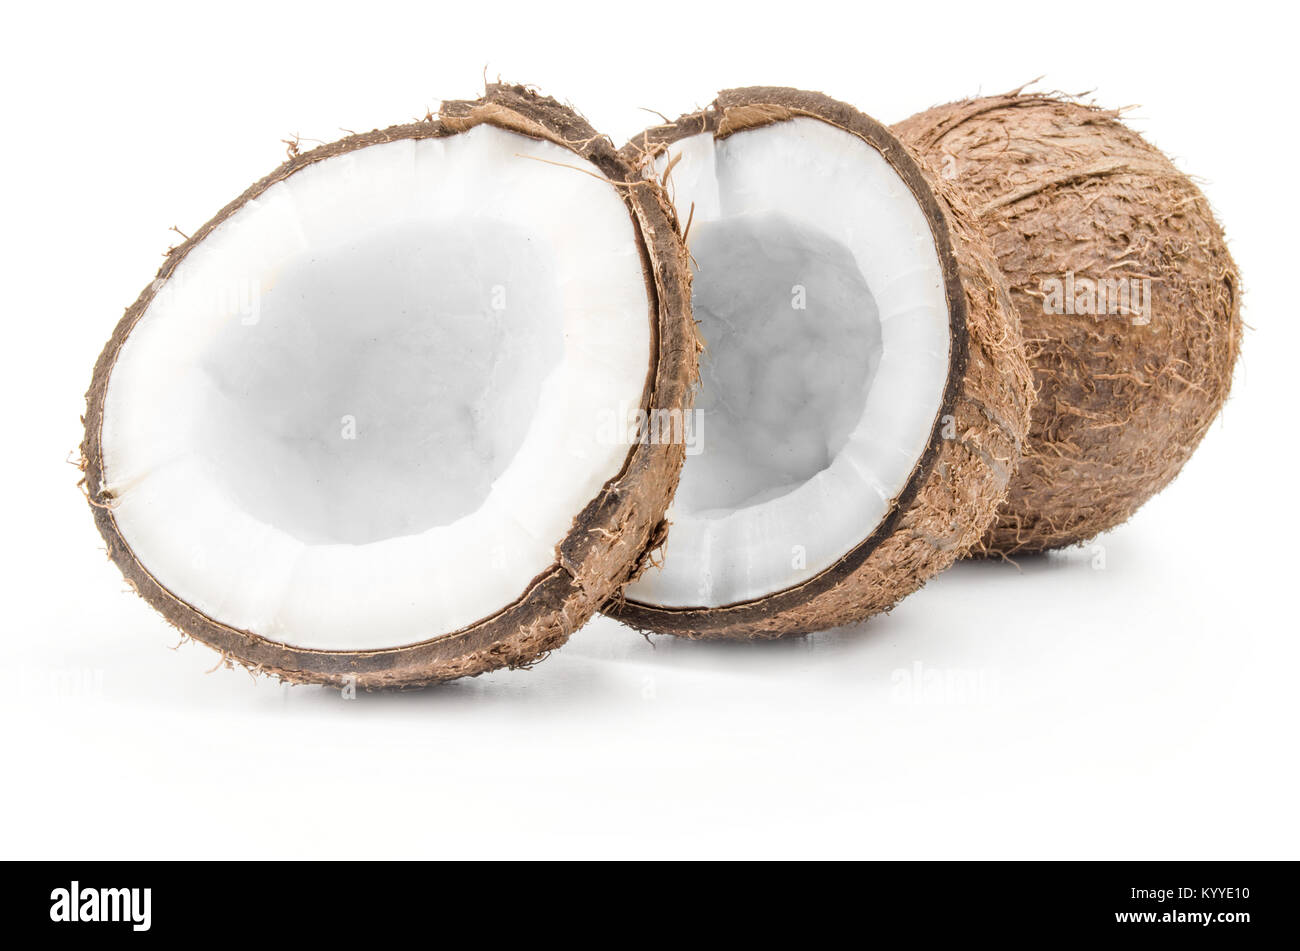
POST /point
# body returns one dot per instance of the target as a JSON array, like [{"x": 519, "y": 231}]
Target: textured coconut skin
[
  {"x": 955, "y": 489},
  {"x": 1063, "y": 187},
  {"x": 606, "y": 539}
]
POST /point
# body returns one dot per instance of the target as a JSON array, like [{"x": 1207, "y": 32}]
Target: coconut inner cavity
[
  {"x": 776, "y": 361},
  {"x": 363, "y": 411},
  {"x": 820, "y": 297},
  {"x": 457, "y": 322}
]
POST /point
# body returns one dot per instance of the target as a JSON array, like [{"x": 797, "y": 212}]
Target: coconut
[
  {"x": 864, "y": 391},
  {"x": 358, "y": 430},
  {"x": 1128, "y": 298}
]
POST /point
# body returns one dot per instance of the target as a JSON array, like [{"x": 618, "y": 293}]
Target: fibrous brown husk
[
  {"x": 1062, "y": 188},
  {"x": 956, "y": 487},
  {"x": 601, "y": 548}
]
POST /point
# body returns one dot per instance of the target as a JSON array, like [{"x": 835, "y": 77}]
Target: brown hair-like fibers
[{"x": 1072, "y": 200}]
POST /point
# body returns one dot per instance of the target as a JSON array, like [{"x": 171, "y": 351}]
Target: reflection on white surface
[{"x": 1105, "y": 694}]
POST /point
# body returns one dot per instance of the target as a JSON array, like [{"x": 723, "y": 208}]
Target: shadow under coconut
[
  {"x": 765, "y": 659},
  {"x": 549, "y": 687},
  {"x": 1090, "y": 555},
  {"x": 607, "y": 664},
  {"x": 959, "y": 608}
]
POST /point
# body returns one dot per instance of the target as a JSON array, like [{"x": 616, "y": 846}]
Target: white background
[{"x": 1146, "y": 709}]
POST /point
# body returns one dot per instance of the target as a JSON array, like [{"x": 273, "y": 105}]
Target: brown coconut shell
[
  {"x": 1061, "y": 187},
  {"x": 959, "y": 482},
  {"x": 599, "y": 552}
]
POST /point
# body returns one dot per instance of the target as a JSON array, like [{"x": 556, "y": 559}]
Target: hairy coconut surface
[
  {"x": 1128, "y": 300},
  {"x": 368, "y": 469},
  {"x": 864, "y": 391}
]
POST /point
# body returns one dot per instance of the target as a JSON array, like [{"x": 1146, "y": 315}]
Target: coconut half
[
  {"x": 863, "y": 387},
  {"x": 368, "y": 424},
  {"x": 1128, "y": 297}
]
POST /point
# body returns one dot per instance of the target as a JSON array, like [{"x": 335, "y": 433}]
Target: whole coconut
[{"x": 1128, "y": 299}]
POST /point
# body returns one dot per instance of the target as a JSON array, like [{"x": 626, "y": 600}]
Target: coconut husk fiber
[{"x": 1066, "y": 191}]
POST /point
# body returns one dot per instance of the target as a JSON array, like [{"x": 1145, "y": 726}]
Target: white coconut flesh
[
  {"x": 820, "y": 296},
  {"x": 365, "y": 409}
]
